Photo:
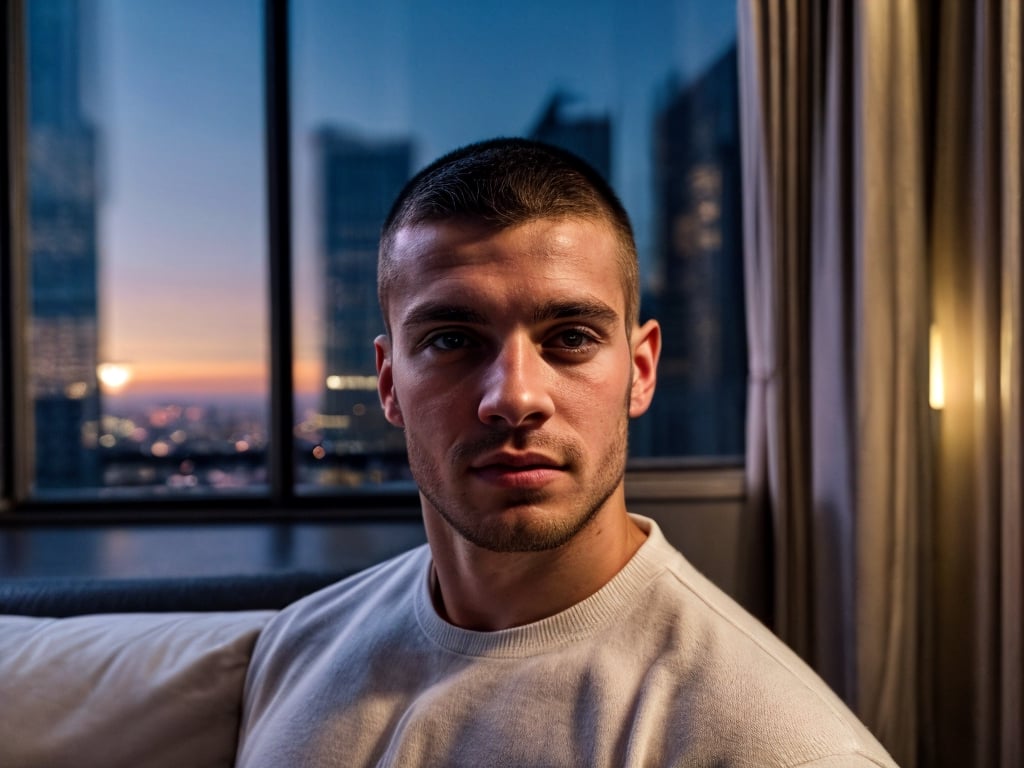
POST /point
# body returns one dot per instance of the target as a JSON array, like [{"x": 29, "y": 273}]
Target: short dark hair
[{"x": 503, "y": 183}]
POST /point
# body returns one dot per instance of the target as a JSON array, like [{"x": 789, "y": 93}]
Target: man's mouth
[{"x": 517, "y": 470}]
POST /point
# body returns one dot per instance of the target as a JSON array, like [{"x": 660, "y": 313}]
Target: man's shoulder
[
  {"x": 745, "y": 676},
  {"x": 347, "y": 604}
]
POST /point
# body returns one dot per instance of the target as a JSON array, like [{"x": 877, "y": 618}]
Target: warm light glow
[
  {"x": 360, "y": 383},
  {"x": 937, "y": 384},
  {"x": 76, "y": 390},
  {"x": 113, "y": 376},
  {"x": 192, "y": 378},
  {"x": 333, "y": 421}
]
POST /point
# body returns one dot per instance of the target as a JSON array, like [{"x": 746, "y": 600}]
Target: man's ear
[
  {"x": 646, "y": 344},
  {"x": 386, "y": 382}
]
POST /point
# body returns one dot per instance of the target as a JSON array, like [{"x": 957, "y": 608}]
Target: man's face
[{"x": 510, "y": 368}]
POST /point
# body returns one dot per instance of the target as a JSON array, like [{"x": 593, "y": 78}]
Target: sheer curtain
[{"x": 882, "y": 181}]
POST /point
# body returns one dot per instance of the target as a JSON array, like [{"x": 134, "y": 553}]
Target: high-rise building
[
  {"x": 358, "y": 180},
  {"x": 62, "y": 195},
  {"x": 589, "y": 136},
  {"x": 702, "y": 376}
]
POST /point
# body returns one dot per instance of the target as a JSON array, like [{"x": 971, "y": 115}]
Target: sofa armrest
[
  {"x": 61, "y": 597},
  {"x": 124, "y": 689}
]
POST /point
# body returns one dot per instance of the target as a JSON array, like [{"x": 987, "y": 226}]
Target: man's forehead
[
  {"x": 468, "y": 236},
  {"x": 495, "y": 282},
  {"x": 539, "y": 262}
]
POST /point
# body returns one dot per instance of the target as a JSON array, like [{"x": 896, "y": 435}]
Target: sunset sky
[{"x": 177, "y": 97}]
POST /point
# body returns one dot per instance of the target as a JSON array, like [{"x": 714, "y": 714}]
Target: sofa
[{"x": 142, "y": 673}]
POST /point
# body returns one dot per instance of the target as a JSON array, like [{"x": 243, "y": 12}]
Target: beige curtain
[
  {"x": 976, "y": 618},
  {"x": 882, "y": 181}
]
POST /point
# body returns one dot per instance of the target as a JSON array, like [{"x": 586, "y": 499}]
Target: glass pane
[
  {"x": 147, "y": 248},
  {"x": 646, "y": 91}
]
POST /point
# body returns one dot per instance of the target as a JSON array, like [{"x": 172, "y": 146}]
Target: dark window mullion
[
  {"x": 278, "y": 137},
  {"x": 6, "y": 242},
  {"x": 13, "y": 427}
]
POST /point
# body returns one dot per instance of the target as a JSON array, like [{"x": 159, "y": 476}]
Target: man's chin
[{"x": 525, "y": 527}]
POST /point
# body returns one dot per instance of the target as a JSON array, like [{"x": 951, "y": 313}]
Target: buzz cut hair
[{"x": 502, "y": 183}]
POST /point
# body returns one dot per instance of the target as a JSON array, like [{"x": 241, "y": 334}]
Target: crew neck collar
[{"x": 574, "y": 623}]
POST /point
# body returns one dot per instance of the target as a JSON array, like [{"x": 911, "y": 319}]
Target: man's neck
[{"x": 477, "y": 589}]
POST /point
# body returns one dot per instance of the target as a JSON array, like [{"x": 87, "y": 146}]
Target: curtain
[
  {"x": 881, "y": 152},
  {"x": 976, "y": 618}
]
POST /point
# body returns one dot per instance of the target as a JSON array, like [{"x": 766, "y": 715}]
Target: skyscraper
[
  {"x": 589, "y": 136},
  {"x": 62, "y": 195},
  {"x": 358, "y": 180},
  {"x": 702, "y": 377}
]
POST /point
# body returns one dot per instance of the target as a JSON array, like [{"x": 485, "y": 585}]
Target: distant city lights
[
  {"x": 76, "y": 390},
  {"x": 361, "y": 383}
]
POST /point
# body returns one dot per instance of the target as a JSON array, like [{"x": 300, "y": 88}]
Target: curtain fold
[
  {"x": 978, "y": 600},
  {"x": 891, "y": 399},
  {"x": 1011, "y": 651},
  {"x": 882, "y": 170},
  {"x": 837, "y": 316},
  {"x": 776, "y": 429}
]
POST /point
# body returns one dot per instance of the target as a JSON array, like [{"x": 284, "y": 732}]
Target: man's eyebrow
[
  {"x": 587, "y": 309},
  {"x": 432, "y": 312}
]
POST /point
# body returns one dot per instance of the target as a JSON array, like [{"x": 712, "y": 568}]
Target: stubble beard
[{"x": 547, "y": 521}]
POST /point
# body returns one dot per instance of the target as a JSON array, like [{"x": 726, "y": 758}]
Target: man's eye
[
  {"x": 450, "y": 341},
  {"x": 574, "y": 339}
]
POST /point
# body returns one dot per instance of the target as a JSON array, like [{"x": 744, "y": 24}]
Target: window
[
  {"x": 147, "y": 341},
  {"x": 148, "y": 321}
]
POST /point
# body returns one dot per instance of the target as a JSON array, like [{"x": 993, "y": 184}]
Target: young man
[{"x": 543, "y": 625}]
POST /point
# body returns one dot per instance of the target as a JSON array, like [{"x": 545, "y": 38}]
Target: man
[{"x": 542, "y": 625}]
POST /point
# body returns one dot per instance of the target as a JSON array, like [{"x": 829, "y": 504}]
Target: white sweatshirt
[{"x": 658, "y": 668}]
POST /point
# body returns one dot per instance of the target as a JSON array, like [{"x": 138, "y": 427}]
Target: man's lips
[
  {"x": 516, "y": 460},
  {"x": 517, "y": 469}
]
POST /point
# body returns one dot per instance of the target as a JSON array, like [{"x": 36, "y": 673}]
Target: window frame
[{"x": 682, "y": 479}]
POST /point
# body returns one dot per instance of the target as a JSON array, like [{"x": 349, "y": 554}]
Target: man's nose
[{"x": 516, "y": 386}]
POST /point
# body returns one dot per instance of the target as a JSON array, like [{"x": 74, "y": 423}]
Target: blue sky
[{"x": 178, "y": 99}]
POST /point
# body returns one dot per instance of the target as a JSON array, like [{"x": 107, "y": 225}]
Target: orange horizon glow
[{"x": 196, "y": 378}]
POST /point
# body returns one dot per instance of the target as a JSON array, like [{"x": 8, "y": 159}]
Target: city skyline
[
  {"x": 182, "y": 215},
  {"x": 149, "y": 338}
]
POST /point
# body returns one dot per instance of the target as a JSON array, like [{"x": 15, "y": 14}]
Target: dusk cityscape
[{"x": 97, "y": 424}]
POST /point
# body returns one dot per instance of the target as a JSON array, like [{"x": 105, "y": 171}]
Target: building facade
[
  {"x": 702, "y": 376},
  {"x": 357, "y": 181},
  {"x": 63, "y": 252}
]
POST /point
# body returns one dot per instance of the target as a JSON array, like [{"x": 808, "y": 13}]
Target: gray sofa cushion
[{"x": 115, "y": 690}]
